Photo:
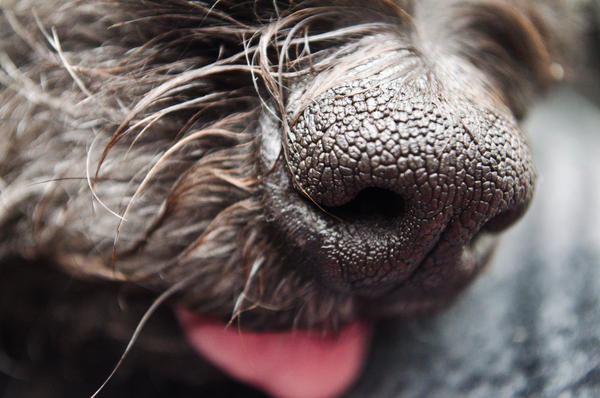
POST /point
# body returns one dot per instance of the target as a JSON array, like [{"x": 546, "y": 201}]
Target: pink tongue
[{"x": 286, "y": 365}]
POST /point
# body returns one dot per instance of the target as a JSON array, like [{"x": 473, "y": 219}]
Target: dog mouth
[
  {"x": 309, "y": 363},
  {"x": 316, "y": 363},
  {"x": 294, "y": 364}
]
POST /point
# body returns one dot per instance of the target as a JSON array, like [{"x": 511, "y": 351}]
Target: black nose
[{"x": 405, "y": 174}]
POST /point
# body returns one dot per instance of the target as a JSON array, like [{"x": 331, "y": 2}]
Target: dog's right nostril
[{"x": 370, "y": 204}]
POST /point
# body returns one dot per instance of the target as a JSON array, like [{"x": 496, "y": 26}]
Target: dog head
[{"x": 284, "y": 165}]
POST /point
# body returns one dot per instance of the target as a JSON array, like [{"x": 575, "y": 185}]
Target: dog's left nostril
[
  {"x": 503, "y": 220},
  {"x": 370, "y": 204}
]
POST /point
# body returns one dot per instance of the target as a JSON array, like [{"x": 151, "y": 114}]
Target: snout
[{"x": 398, "y": 186}]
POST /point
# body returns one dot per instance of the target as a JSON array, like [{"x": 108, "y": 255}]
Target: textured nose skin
[
  {"x": 396, "y": 137},
  {"x": 452, "y": 166}
]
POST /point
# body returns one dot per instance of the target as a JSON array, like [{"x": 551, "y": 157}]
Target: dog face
[{"x": 282, "y": 164}]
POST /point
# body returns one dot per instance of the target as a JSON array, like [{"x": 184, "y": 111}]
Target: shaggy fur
[{"x": 130, "y": 136}]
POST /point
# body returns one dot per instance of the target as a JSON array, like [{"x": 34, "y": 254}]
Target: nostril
[
  {"x": 503, "y": 220},
  {"x": 370, "y": 203}
]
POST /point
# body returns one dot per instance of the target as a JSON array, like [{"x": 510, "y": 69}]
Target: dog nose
[{"x": 400, "y": 162}]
